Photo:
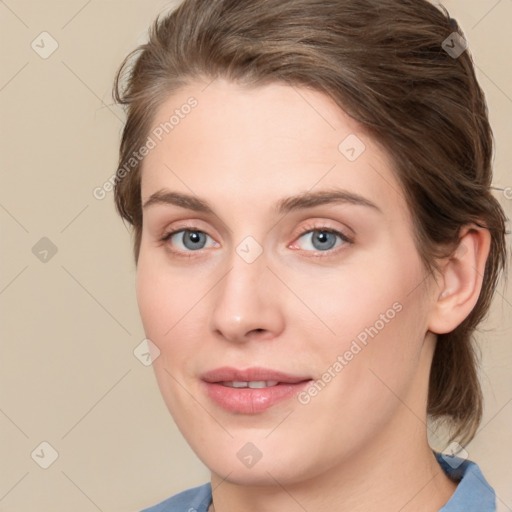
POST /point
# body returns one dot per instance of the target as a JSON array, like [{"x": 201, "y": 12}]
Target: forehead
[{"x": 224, "y": 139}]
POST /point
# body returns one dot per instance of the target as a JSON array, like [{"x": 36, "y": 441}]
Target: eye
[
  {"x": 323, "y": 239},
  {"x": 186, "y": 240}
]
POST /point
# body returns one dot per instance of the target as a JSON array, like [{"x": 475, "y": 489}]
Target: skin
[{"x": 361, "y": 443}]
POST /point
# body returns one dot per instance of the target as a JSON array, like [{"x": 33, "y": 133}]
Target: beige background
[{"x": 69, "y": 325}]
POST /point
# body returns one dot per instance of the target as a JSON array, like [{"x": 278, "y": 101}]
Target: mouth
[
  {"x": 256, "y": 384},
  {"x": 253, "y": 390}
]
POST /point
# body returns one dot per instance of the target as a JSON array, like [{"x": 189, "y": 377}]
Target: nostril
[{"x": 253, "y": 331}]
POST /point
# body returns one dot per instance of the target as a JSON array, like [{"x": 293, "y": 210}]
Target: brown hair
[{"x": 384, "y": 63}]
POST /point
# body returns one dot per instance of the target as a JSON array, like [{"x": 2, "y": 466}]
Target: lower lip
[{"x": 250, "y": 400}]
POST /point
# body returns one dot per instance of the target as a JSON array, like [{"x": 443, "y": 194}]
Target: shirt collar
[{"x": 473, "y": 493}]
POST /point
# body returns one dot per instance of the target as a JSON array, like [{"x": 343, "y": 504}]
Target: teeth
[
  {"x": 257, "y": 384},
  {"x": 263, "y": 384}
]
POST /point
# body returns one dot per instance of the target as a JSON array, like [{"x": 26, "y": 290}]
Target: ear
[{"x": 460, "y": 280}]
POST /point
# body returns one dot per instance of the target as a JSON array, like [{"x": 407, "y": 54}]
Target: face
[{"x": 279, "y": 282}]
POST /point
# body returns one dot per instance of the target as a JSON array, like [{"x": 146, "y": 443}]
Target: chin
[{"x": 262, "y": 463}]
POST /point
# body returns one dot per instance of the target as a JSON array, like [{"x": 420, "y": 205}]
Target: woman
[{"x": 315, "y": 238}]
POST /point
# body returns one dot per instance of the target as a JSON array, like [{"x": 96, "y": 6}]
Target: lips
[{"x": 252, "y": 390}]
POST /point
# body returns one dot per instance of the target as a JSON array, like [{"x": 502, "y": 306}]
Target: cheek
[
  {"x": 162, "y": 306},
  {"x": 163, "y": 296},
  {"x": 364, "y": 301},
  {"x": 383, "y": 370},
  {"x": 153, "y": 301},
  {"x": 377, "y": 315},
  {"x": 169, "y": 305}
]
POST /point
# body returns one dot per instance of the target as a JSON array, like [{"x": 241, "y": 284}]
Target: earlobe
[{"x": 461, "y": 279}]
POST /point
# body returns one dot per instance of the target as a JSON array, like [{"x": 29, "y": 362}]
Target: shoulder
[
  {"x": 473, "y": 493},
  {"x": 196, "y": 499}
]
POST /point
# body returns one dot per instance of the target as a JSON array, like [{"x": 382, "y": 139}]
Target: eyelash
[{"x": 304, "y": 231}]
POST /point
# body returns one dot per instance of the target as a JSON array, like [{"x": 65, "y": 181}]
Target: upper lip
[{"x": 253, "y": 374}]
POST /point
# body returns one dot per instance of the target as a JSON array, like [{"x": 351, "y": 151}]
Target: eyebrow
[{"x": 300, "y": 201}]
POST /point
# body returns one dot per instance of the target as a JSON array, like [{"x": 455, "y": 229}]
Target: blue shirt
[{"x": 473, "y": 493}]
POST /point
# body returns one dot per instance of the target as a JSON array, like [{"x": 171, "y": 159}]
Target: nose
[{"x": 246, "y": 302}]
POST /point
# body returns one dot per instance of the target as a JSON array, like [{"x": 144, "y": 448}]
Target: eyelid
[
  {"x": 170, "y": 232},
  {"x": 321, "y": 226},
  {"x": 184, "y": 225}
]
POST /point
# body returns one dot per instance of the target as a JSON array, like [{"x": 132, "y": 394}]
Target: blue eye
[
  {"x": 324, "y": 239},
  {"x": 190, "y": 239},
  {"x": 320, "y": 239}
]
